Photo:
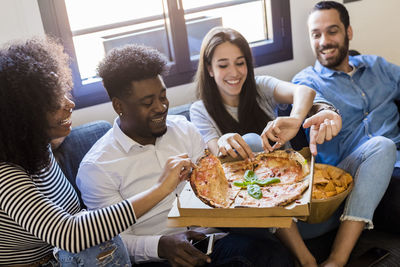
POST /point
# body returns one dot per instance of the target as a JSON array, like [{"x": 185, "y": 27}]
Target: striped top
[{"x": 42, "y": 211}]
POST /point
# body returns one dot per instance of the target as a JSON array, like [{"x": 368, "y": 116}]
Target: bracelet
[{"x": 332, "y": 108}]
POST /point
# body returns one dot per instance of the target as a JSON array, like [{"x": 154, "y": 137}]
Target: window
[{"x": 90, "y": 28}]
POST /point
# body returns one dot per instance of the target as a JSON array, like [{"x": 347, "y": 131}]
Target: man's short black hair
[
  {"x": 130, "y": 63},
  {"x": 344, "y": 14}
]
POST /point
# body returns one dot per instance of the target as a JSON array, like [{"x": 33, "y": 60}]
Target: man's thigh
[{"x": 246, "y": 250}]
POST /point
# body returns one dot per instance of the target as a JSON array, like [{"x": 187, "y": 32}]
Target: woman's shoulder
[{"x": 266, "y": 81}]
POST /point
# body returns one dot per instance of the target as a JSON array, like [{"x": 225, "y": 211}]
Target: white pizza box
[{"x": 190, "y": 211}]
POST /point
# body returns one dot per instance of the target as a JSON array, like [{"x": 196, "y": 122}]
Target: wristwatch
[{"x": 328, "y": 107}]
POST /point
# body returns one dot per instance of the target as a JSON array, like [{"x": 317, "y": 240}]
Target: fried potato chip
[
  {"x": 334, "y": 173},
  {"x": 317, "y": 194},
  {"x": 330, "y": 193},
  {"x": 339, "y": 189},
  {"x": 330, "y": 187},
  {"x": 329, "y": 181},
  {"x": 348, "y": 178}
]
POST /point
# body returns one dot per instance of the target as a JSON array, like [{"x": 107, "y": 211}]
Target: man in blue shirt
[{"x": 364, "y": 89}]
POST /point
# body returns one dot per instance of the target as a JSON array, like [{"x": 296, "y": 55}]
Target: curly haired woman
[{"x": 39, "y": 208}]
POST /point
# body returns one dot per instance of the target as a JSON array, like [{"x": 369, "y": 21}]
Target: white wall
[
  {"x": 19, "y": 19},
  {"x": 375, "y": 25}
]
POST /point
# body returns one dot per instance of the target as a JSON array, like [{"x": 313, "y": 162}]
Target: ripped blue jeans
[{"x": 107, "y": 254}]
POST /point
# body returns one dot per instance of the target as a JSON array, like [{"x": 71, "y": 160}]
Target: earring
[{"x": 120, "y": 114}]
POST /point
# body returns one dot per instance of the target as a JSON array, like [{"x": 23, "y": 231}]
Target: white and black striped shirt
[{"x": 37, "y": 213}]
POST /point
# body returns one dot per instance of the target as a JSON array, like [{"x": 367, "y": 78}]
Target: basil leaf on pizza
[
  {"x": 270, "y": 180},
  {"x": 254, "y": 191},
  {"x": 250, "y": 177}
]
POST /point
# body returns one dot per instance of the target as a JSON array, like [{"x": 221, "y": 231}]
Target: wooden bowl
[{"x": 322, "y": 209}]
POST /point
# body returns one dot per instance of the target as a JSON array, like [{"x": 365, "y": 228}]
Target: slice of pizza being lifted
[{"x": 209, "y": 183}]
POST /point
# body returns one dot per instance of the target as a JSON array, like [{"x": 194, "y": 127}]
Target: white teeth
[
  {"x": 233, "y": 81},
  {"x": 157, "y": 120},
  {"x": 66, "y": 121},
  {"x": 328, "y": 51}
]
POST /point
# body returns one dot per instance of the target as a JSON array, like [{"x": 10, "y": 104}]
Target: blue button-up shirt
[{"x": 365, "y": 101}]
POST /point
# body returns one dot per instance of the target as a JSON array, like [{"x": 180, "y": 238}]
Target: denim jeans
[
  {"x": 110, "y": 253},
  {"x": 244, "y": 250},
  {"x": 371, "y": 166}
]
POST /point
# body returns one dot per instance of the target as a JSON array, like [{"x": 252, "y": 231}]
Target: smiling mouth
[
  {"x": 159, "y": 119},
  {"x": 328, "y": 51},
  {"x": 66, "y": 121},
  {"x": 233, "y": 82}
]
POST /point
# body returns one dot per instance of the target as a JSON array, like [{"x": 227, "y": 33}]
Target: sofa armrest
[{"x": 71, "y": 152}]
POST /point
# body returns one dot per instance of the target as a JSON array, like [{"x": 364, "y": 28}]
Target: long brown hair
[{"x": 251, "y": 117}]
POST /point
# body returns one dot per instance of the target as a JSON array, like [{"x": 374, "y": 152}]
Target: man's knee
[{"x": 384, "y": 144}]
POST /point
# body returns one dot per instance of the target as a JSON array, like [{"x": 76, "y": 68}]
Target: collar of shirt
[
  {"x": 125, "y": 141},
  {"x": 324, "y": 71}
]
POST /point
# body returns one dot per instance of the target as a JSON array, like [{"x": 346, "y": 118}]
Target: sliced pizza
[
  {"x": 209, "y": 183},
  {"x": 272, "y": 196},
  {"x": 287, "y": 165}
]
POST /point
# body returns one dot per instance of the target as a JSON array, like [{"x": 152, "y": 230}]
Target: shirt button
[
  {"x": 363, "y": 94},
  {"x": 366, "y": 113},
  {"x": 365, "y": 119}
]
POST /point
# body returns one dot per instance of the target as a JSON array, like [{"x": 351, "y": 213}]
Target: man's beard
[
  {"x": 159, "y": 134},
  {"x": 343, "y": 50}
]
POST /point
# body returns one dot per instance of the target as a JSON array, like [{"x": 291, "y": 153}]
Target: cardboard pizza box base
[
  {"x": 176, "y": 220},
  {"x": 188, "y": 210}
]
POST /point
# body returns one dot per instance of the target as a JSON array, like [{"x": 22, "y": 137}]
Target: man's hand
[
  {"x": 176, "y": 169},
  {"x": 324, "y": 125},
  {"x": 178, "y": 250},
  {"x": 228, "y": 143},
  {"x": 280, "y": 130}
]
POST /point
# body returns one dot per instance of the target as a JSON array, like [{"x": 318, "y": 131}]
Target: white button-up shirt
[{"x": 117, "y": 167}]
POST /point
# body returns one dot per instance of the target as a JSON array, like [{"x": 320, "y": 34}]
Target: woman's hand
[
  {"x": 280, "y": 130},
  {"x": 324, "y": 126},
  {"x": 233, "y": 144}
]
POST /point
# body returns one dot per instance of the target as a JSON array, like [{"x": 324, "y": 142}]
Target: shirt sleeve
[
  {"x": 142, "y": 248},
  {"x": 197, "y": 143},
  {"x": 21, "y": 199},
  {"x": 393, "y": 72},
  {"x": 304, "y": 78},
  {"x": 267, "y": 85},
  {"x": 98, "y": 189},
  {"x": 203, "y": 122}
]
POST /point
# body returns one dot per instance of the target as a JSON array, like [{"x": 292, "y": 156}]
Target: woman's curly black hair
[
  {"x": 34, "y": 77},
  {"x": 130, "y": 63}
]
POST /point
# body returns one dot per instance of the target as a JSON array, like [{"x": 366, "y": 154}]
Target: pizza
[{"x": 270, "y": 180}]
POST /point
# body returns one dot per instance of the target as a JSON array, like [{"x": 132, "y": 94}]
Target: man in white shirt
[{"x": 131, "y": 156}]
